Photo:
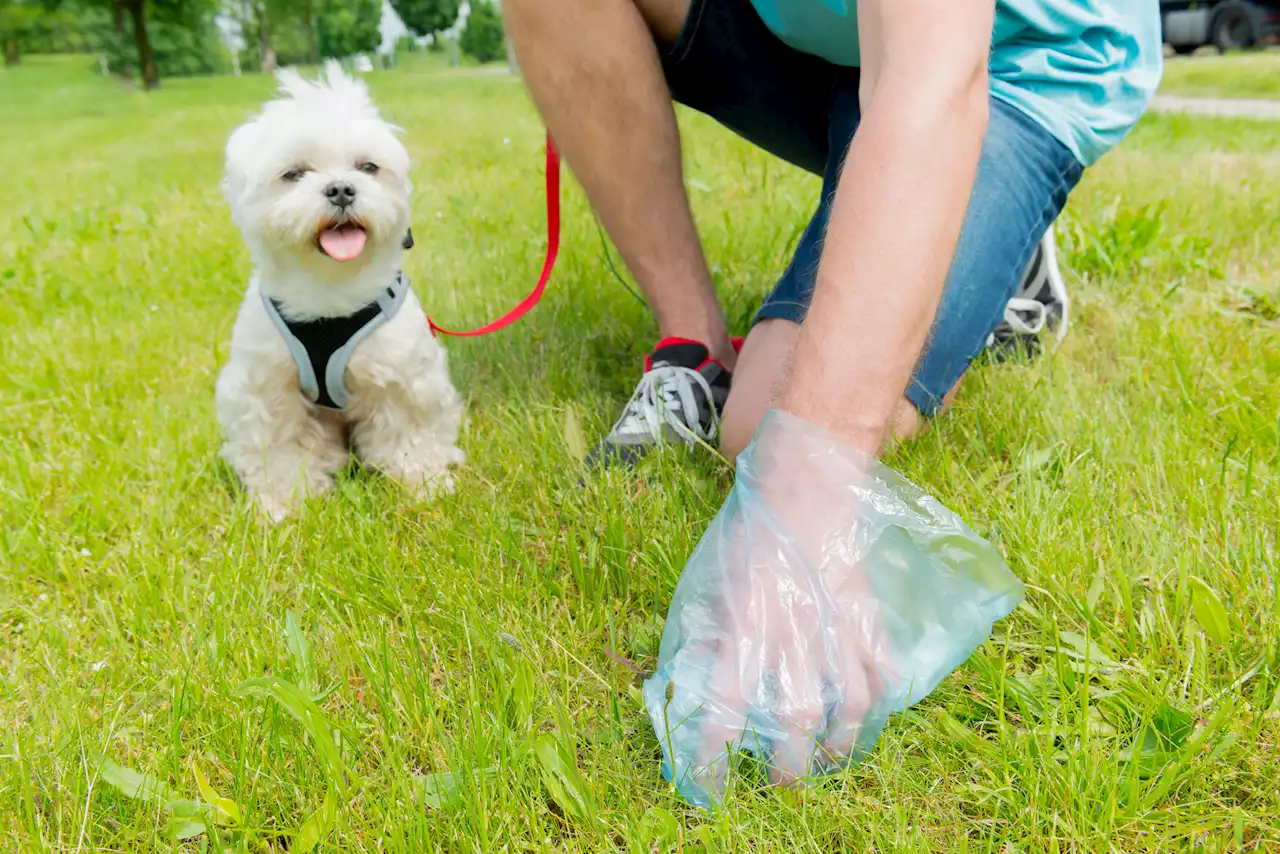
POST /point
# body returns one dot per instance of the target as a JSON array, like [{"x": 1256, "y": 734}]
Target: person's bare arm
[{"x": 897, "y": 213}]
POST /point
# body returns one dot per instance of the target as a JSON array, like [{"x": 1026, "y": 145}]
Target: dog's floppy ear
[{"x": 408, "y": 238}]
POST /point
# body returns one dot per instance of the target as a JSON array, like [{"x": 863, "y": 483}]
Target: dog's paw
[
  {"x": 423, "y": 480},
  {"x": 442, "y": 484},
  {"x": 274, "y": 508},
  {"x": 278, "y": 501},
  {"x": 425, "y": 484}
]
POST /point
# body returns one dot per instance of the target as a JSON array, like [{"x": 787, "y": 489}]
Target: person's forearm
[{"x": 893, "y": 230}]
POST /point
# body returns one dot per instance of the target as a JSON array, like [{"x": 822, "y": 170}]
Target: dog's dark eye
[
  {"x": 294, "y": 175},
  {"x": 368, "y": 168}
]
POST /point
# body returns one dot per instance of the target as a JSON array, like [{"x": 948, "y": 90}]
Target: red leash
[{"x": 553, "y": 248}]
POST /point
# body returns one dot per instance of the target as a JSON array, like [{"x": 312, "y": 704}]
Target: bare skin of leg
[
  {"x": 593, "y": 70},
  {"x": 756, "y": 385}
]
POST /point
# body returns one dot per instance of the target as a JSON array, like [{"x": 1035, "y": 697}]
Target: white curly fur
[{"x": 404, "y": 414}]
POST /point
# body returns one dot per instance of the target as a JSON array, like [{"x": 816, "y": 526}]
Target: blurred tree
[
  {"x": 347, "y": 27},
  {"x": 276, "y": 32},
  {"x": 262, "y": 15},
  {"x": 137, "y": 11},
  {"x": 158, "y": 38},
  {"x": 162, "y": 38},
  {"x": 294, "y": 32},
  {"x": 179, "y": 49},
  {"x": 46, "y": 29},
  {"x": 57, "y": 26},
  {"x": 187, "y": 40},
  {"x": 307, "y": 14},
  {"x": 407, "y": 44},
  {"x": 192, "y": 15},
  {"x": 17, "y": 18},
  {"x": 426, "y": 17},
  {"x": 482, "y": 38},
  {"x": 118, "y": 32}
]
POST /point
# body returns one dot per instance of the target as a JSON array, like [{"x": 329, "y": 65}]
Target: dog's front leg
[
  {"x": 415, "y": 445},
  {"x": 281, "y": 448}
]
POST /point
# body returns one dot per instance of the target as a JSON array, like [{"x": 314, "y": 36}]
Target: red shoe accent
[{"x": 673, "y": 341}]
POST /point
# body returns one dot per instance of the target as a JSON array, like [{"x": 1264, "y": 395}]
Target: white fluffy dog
[{"x": 331, "y": 349}]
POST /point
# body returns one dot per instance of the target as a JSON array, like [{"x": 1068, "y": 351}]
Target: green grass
[
  {"x": 1255, "y": 74},
  {"x": 138, "y": 592}
]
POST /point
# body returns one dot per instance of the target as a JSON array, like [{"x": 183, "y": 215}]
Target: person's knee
[
  {"x": 907, "y": 422},
  {"x": 742, "y": 413},
  {"x": 760, "y": 369},
  {"x": 739, "y": 425},
  {"x": 735, "y": 435}
]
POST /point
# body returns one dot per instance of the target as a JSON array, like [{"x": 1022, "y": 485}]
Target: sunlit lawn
[
  {"x": 460, "y": 653},
  {"x": 1254, "y": 74}
]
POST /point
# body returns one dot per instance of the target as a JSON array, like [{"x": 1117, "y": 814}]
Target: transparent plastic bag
[{"x": 827, "y": 594}]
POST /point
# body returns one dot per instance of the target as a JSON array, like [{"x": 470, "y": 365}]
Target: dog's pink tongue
[{"x": 342, "y": 243}]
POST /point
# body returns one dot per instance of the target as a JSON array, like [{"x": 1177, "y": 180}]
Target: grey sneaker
[
  {"x": 1039, "y": 304},
  {"x": 678, "y": 401}
]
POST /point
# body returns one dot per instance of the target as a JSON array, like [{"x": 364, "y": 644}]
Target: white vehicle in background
[{"x": 363, "y": 64}]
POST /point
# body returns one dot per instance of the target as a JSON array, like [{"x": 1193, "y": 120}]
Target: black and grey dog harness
[{"x": 322, "y": 347}]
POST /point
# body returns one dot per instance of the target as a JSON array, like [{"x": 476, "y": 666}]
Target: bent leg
[
  {"x": 1024, "y": 176},
  {"x": 762, "y": 367},
  {"x": 594, "y": 71}
]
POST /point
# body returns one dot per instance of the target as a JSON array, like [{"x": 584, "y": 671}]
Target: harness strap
[
  {"x": 553, "y": 248},
  {"x": 322, "y": 347}
]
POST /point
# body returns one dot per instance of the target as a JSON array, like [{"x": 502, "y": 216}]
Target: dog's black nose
[{"x": 340, "y": 193}]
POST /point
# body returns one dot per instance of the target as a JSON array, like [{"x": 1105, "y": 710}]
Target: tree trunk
[
  {"x": 266, "y": 50},
  {"x": 146, "y": 60},
  {"x": 12, "y": 52},
  {"x": 117, "y": 24},
  {"x": 310, "y": 13}
]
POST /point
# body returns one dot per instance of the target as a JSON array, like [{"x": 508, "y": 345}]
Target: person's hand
[{"x": 827, "y": 594}]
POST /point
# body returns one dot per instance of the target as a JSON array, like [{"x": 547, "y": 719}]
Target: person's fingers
[
  {"x": 770, "y": 660},
  {"x": 796, "y": 633},
  {"x": 775, "y": 657},
  {"x": 824, "y": 654},
  {"x": 855, "y": 693},
  {"x": 721, "y": 722},
  {"x": 793, "y": 758},
  {"x": 720, "y": 733},
  {"x": 862, "y": 649},
  {"x": 739, "y": 663}
]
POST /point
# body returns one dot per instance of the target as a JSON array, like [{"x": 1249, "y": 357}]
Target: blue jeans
[{"x": 727, "y": 64}]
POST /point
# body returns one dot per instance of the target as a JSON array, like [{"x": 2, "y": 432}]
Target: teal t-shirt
[{"x": 1085, "y": 70}]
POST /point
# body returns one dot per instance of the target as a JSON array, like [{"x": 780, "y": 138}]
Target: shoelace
[
  {"x": 663, "y": 394},
  {"x": 1017, "y": 307}
]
